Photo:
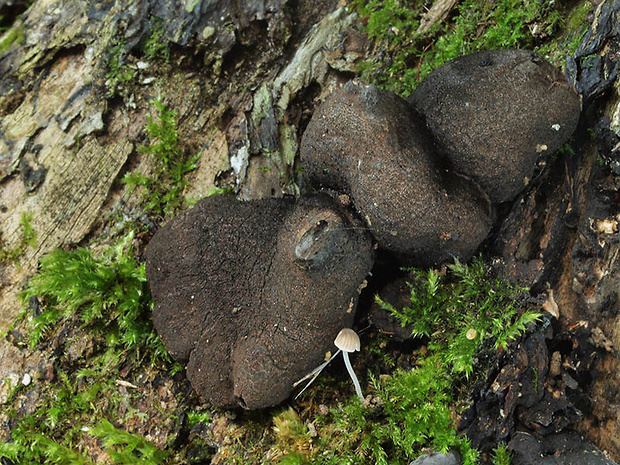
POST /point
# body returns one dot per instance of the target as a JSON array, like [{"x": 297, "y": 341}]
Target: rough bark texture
[{"x": 562, "y": 238}]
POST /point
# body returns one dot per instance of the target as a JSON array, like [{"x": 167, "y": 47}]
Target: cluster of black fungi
[{"x": 252, "y": 294}]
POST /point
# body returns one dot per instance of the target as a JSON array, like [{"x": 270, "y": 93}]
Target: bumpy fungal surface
[
  {"x": 369, "y": 143},
  {"x": 494, "y": 113},
  {"x": 252, "y": 294}
]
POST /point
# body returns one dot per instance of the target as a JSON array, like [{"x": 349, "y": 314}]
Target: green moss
[
  {"x": 108, "y": 293},
  {"x": 71, "y": 411},
  {"x": 13, "y": 36},
  {"x": 104, "y": 298},
  {"x": 163, "y": 189},
  {"x": 573, "y": 31},
  {"x": 156, "y": 46},
  {"x": 501, "y": 455},
  {"x": 27, "y": 239},
  {"x": 461, "y": 313},
  {"x": 198, "y": 416},
  {"x": 411, "y": 410},
  {"x": 126, "y": 448},
  {"x": 119, "y": 73},
  {"x": 578, "y": 18},
  {"x": 39, "y": 449},
  {"x": 292, "y": 435},
  {"x": 46, "y": 435},
  {"x": 29, "y": 236},
  {"x": 219, "y": 191},
  {"x": 415, "y": 411},
  {"x": 402, "y": 58}
]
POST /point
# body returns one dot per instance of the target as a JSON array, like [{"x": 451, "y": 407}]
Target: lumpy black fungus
[
  {"x": 368, "y": 143},
  {"x": 495, "y": 113},
  {"x": 252, "y": 294}
]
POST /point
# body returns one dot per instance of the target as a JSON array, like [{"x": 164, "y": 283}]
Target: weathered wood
[{"x": 437, "y": 12}]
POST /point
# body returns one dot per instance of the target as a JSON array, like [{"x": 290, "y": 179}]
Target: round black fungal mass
[
  {"x": 494, "y": 113},
  {"x": 252, "y": 294},
  {"x": 368, "y": 143}
]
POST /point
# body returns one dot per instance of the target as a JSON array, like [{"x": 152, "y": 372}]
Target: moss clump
[
  {"x": 125, "y": 447},
  {"x": 163, "y": 189},
  {"x": 37, "y": 438},
  {"x": 107, "y": 293},
  {"x": 575, "y": 27},
  {"x": 402, "y": 57},
  {"x": 462, "y": 310},
  {"x": 29, "y": 235},
  {"x": 461, "y": 313},
  {"x": 501, "y": 455},
  {"x": 293, "y": 434},
  {"x": 119, "y": 72},
  {"x": 81, "y": 296},
  {"x": 412, "y": 410},
  {"x": 49, "y": 433}
]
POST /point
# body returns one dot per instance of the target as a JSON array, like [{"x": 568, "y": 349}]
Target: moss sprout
[
  {"x": 156, "y": 47},
  {"x": 501, "y": 455},
  {"x": 27, "y": 239},
  {"x": 163, "y": 189}
]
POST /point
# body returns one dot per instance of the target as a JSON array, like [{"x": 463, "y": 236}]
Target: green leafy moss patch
[
  {"x": 27, "y": 239},
  {"x": 401, "y": 57},
  {"x": 107, "y": 293},
  {"x": 461, "y": 314},
  {"x": 162, "y": 189},
  {"x": 108, "y": 395},
  {"x": 109, "y": 381}
]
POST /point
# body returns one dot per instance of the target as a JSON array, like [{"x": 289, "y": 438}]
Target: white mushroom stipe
[{"x": 348, "y": 341}]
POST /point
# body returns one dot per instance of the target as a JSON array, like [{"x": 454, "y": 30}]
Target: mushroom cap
[
  {"x": 347, "y": 340},
  {"x": 368, "y": 143},
  {"x": 493, "y": 114},
  {"x": 250, "y": 294}
]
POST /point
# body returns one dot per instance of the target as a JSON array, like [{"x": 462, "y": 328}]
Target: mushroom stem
[{"x": 356, "y": 383}]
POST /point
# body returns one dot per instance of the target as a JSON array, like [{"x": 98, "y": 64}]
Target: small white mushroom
[{"x": 348, "y": 341}]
